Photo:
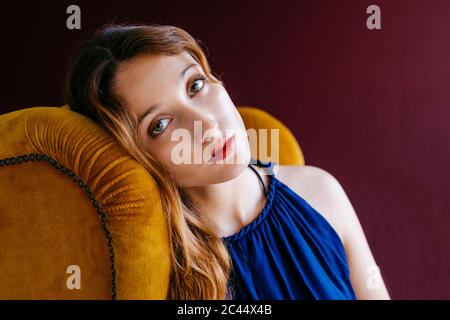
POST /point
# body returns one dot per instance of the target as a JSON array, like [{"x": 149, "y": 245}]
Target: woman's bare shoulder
[
  {"x": 318, "y": 187},
  {"x": 291, "y": 173},
  {"x": 305, "y": 178}
]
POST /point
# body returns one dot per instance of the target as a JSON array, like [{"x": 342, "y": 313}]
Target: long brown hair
[{"x": 200, "y": 262}]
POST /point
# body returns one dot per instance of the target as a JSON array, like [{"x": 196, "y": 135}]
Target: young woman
[{"x": 237, "y": 230}]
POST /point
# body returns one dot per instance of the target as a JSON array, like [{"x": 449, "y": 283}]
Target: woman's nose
[{"x": 206, "y": 127}]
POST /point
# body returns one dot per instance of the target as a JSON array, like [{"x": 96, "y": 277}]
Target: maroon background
[{"x": 371, "y": 107}]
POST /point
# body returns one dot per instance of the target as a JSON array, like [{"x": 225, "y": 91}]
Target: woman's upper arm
[
  {"x": 331, "y": 199},
  {"x": 365, "y": 274}
]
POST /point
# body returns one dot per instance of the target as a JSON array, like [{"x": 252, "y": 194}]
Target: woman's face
[{"x": 183, "y": 117}]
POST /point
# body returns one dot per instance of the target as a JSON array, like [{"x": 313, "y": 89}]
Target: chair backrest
[
  {"x": 79, "y": 218},
  {"x": 74, "y": 206}
]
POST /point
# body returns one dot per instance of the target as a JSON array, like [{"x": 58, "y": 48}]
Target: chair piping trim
[{"x": 38, "y": 157}]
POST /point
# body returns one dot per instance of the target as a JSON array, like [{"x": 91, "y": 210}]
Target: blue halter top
[{"x": 289, "y": 252}]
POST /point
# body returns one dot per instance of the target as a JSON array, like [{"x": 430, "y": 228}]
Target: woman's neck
[{"x": 230, "y": 205}]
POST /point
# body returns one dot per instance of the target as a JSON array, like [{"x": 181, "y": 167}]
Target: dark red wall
[{"x": 370, "y": 106}]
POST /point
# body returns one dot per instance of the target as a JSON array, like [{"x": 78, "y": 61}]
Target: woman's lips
[{"x": 220, "y": 152}]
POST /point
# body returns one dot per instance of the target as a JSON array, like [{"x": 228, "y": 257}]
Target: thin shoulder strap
[
  {"x": 260, "y": 178},
  {"x": 268, "y": 166}
]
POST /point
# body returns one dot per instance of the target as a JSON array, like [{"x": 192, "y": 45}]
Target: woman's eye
[
  {"x": 159, "y": 126},
  {"x": 197, "y": 81}
]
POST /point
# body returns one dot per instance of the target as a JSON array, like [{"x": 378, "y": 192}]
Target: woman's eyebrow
[
  {"x": 156, "y": 105},
  {"x": 183, "y": 73},
  {"x": 148, "y": 111}
]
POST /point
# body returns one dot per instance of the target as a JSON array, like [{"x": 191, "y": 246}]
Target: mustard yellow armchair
[{"x": 79, "y": 218}]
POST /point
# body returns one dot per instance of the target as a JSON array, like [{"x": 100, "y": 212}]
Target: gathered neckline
[{"x": 263, "y": 213}]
